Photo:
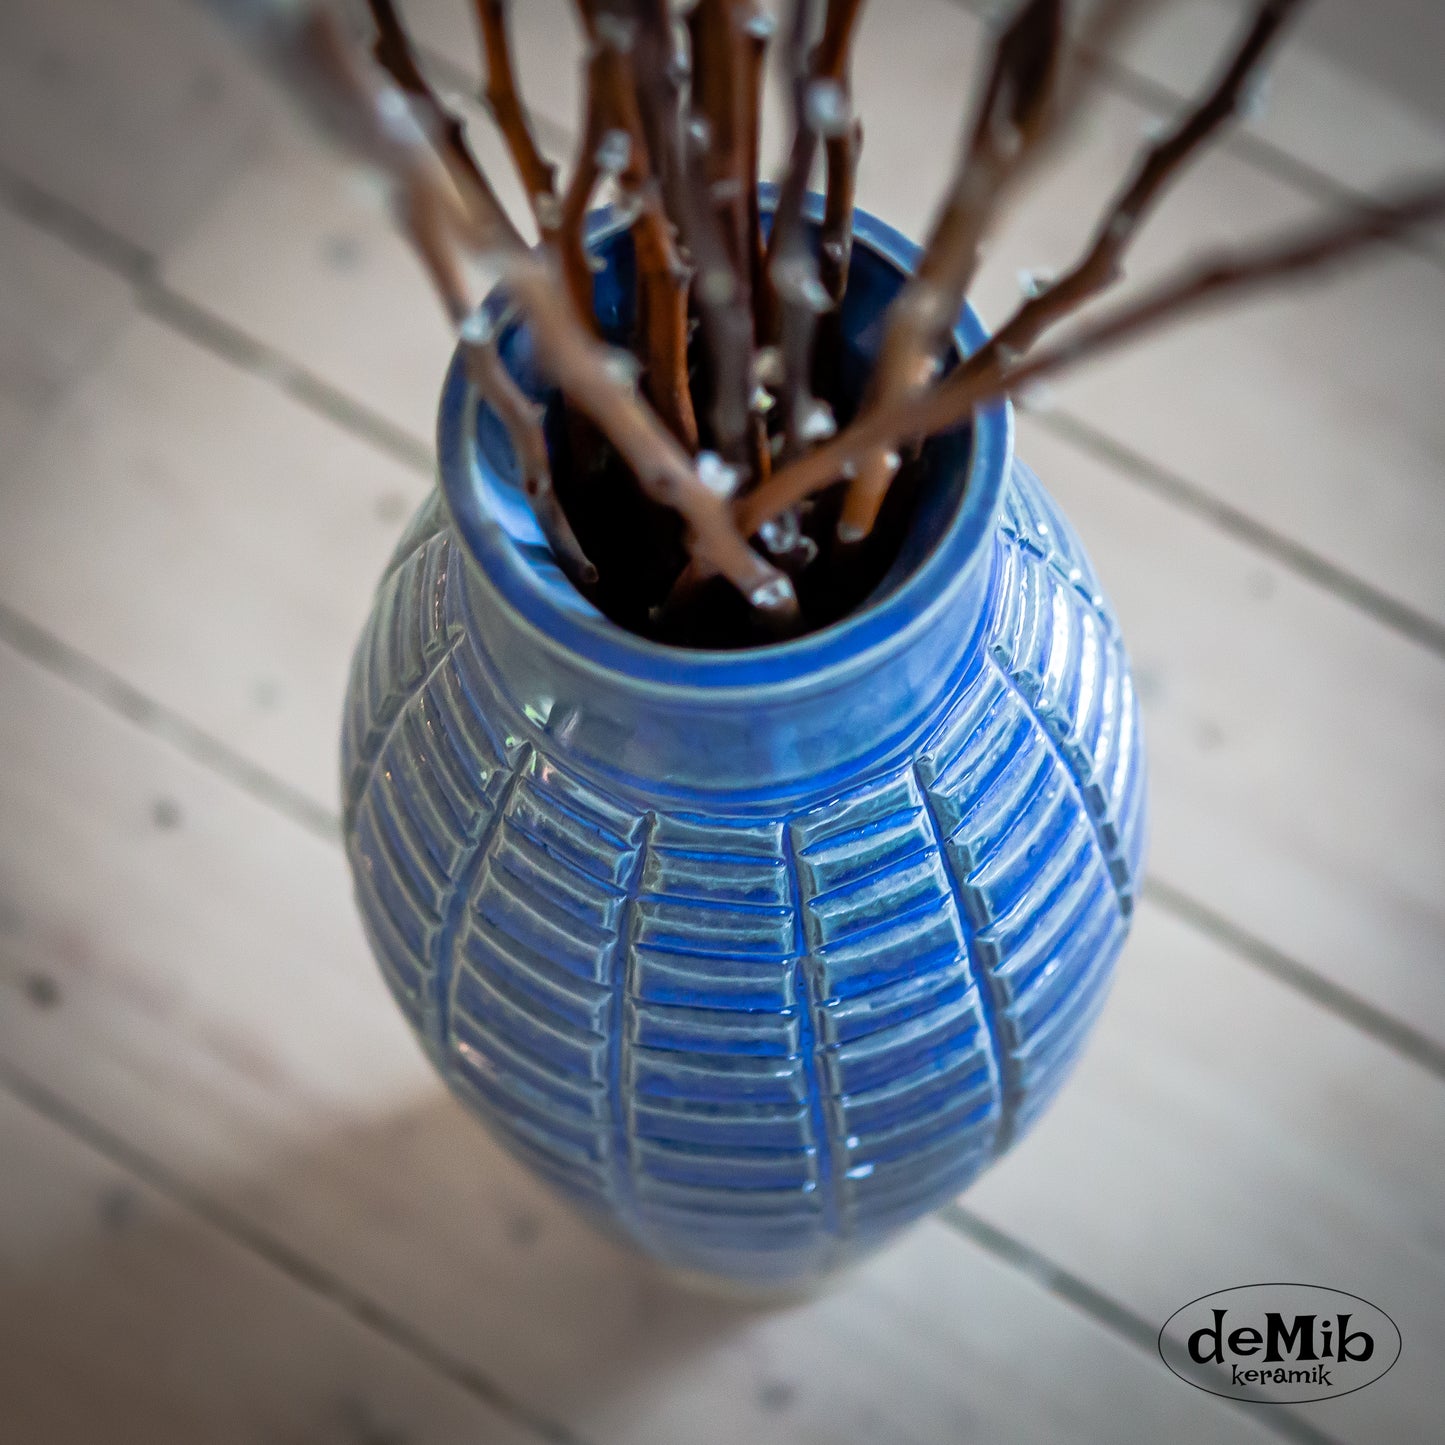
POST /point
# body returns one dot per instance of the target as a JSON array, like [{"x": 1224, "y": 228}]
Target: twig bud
[
  {"x": 622, "y": 366},
  {"x": 780, "y": 535},
  {"x": 1254, "y": 98},
  {"x": 773, "y": 595},
  {"x": 768, "y": 367},
  {"x": 614, "y": 152},
  {"x": 797, "y": 280},
  {"x": 627, "y": 208},
  {"x": 826, "y": 109},
  {"x": 715, "y": 474},
  {"x": 478, "y": 329},
  {"x": 818, "y": 423},
  {"x": 760, "y": 25},
  {"x": 1034, "y": 283},
  {"x": 716, "y": 286}
]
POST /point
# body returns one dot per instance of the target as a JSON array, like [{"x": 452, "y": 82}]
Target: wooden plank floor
[{"x": 234, "y": 1205}]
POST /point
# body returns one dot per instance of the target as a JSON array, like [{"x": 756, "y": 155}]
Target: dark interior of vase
[{"x": 638, "y": 546}]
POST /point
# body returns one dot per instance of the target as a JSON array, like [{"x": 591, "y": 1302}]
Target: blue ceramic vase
[{"x": 756, "y": 956}]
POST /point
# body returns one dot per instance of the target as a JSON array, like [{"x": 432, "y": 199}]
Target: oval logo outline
[{"x": 1254, "y": 1399}]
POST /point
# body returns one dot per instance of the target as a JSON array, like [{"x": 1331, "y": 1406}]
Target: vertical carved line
[
  {"x": 989, "y": 1002},
  {"x": 624, "y": 1184},
  {"x": 458, "y": 903},
  {"x": 808, "y": 1035},
  {"x": 1115, "y": 860}
]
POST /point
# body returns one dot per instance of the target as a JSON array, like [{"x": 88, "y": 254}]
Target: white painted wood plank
[
  {"x": 58, "y": 315},
  {"x": 1295, "y": 763},
  {"x": 213, "y": 541},
  {"x": 140, "y": 114},
  {"x": 125, "y": 1319},
  {"x": 333, "y": 283},
  {"x": 201, "y": 989},
  {"x": 1220, "y": 1133},
  {"x": 1329, "y": 104}
]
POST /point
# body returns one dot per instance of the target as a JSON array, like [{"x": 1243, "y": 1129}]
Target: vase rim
[{"x": 560, "y": 616}]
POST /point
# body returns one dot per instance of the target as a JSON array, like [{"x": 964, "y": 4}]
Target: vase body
[{"x": 757, "y": 956}]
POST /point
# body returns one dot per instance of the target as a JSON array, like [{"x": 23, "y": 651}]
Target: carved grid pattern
[{"x": 754, "y": 1047}]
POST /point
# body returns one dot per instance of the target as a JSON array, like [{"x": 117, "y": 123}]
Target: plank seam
[
  {"x": 305, "y": 1273},
  {"x": 1198, "y": 501},
  {"x": 1108, "y": 1312}
]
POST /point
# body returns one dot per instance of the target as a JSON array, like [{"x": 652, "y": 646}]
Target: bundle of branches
[{"x": 731, "y": 489}]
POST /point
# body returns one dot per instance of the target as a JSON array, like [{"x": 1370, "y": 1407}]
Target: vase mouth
[{"x": 495, "y": 522}]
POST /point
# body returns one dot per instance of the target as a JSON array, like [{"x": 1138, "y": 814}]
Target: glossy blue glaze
[{"x": 756, "y": 956}]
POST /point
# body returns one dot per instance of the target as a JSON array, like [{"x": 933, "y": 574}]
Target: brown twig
[
  {"x": 1226, "y": 276},
  {"x": 833, "y": 61},
  {"x": 500, "y": 93},
  {"x": 663, "y": 279},
  {"x": 720, "y": 62},
  {"x": 679, "y": 146},
  {"x": 1158, "y": 168},
  {"x": 615, "y": 124},
  {"x": 758, "y": 27},
  {"x": 522, "y": 418},
  {"x": 599, "y": 381},
  {"x": 660, "y": 74},
  {"x": 569, "y": 234},
  {"x": 308, "y": 50},
  {"x": 819, "y": 108},
  {"x": 394, "y": 53},
  {"x": 1011, "y": 120}
]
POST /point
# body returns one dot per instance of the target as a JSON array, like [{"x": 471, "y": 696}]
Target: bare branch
[
  {"x": 539, "y": 177},
  {"x": 660, "y": 75},
  {"x": 820, "y": 106},
  {"x": 721, "y": 56},
  {"x": 522, "y": 418},
  {"x": 833, "y": 61},
  {"x": 663, "y": 280},
  {"x": 758, "y": 27},
  {"x": 599, "y": 381},
  {"x": 679, "y": 151},
  {"x": 1224, "y": 277},
  {"x": 308, "y": 50},
  {"x": 1158, "y": 168},
  {"x": 1011, "y": 120},
  {"x": 568, "y": 234},
  {"x": 616, "y": 143},
  {"x": 394, "y": 53}
]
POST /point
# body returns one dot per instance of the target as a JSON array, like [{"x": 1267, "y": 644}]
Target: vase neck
[{"x": 728, "y": 747}]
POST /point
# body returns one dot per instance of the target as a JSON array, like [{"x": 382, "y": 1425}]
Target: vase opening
[{"x": 937, "y": 515}]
